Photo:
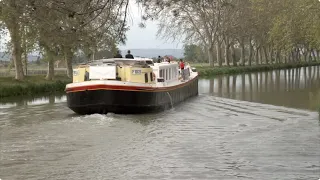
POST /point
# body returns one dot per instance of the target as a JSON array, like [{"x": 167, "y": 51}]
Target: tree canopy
[
  {"x": 59, "y": 28},
  {"x": 267, "y": 30}
]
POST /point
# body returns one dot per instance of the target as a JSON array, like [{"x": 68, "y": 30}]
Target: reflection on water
[
  {"x": 32, "y": 101},
  {"x": 203, "y": 138},
  {"x": 297, "y": 88},
  {"x": 206, "y": 137}
]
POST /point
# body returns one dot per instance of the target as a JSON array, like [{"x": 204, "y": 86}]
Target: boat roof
[{"x": 122, "y": 61}]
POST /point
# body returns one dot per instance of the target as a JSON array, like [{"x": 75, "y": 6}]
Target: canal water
[
  {"x": 297, "y": 88},
  {"x": 253, "y": 126}
]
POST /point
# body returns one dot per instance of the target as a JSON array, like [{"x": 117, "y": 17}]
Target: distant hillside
[
  {"x": 6, "y": 57},
  {"x": 150, "y": 53}
]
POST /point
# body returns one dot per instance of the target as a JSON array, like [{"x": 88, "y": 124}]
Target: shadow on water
[
  {"x": 297, "y": 88},
  {"x": 33, "y": 100}
]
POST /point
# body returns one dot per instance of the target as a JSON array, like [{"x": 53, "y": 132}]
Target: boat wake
[{"x": 204, "y": 137}]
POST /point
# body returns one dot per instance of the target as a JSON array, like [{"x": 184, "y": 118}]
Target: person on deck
[
  {"x": 181, "y": 65},
  {"x": 118, "y": 55},
  {"x": 159, "y": 59},
  {"x": 129, "y": 55}
]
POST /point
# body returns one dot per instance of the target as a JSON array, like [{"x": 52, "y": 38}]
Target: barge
[{"x": 129, "y": 86}]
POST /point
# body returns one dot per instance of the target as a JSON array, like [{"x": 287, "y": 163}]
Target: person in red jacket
[{"x": 181, "y": 64}]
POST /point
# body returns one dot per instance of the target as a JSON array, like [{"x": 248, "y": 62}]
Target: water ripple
[{"x": 203, "y": 138}]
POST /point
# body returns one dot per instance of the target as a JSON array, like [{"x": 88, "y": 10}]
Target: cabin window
[
  {"x": 176, "y": 72},
  {"x": 146, "y": 77},
  {"x": 167, "y": 74},
  {"x": 161, "y": 73},
  {"x": 173, "y": 73},
  {"x": 170, "y": 73},
  {"x": 151, "y": 76}
]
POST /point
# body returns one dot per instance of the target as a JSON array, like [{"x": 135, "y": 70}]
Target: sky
[
  {"x": 137, "y": 38},
  {"x": 144, "y": 38}
]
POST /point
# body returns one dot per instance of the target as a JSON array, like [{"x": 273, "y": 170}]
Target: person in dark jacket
[
  {"x": 159, "y": 59},
  {"x": 129, "y": 55},
  {"x": 118, "y": 55}
]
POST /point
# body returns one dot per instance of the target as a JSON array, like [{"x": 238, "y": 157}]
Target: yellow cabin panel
[
  {"x": 126, "y": 73},
  {"x": 121, "y": 73},
  {"x": 139, "y": 75},
  {"x": 79, "y": 74}
]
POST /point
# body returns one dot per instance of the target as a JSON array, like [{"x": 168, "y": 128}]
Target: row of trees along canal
[
  {"x": 59, "y": 29},
  {"x": 263, "y": 31}
]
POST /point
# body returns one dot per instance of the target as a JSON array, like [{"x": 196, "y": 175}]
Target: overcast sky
[
  {"x": 143, "y": 38},
  {"x": 137, "y": 38}
]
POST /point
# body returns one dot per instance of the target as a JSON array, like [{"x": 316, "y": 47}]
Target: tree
[
  {"x": 194, "y": 53},
  {"x": 12, "y": 15},
  {"x": 63, "y": 27},
  {"x": 196, "y": 21}
]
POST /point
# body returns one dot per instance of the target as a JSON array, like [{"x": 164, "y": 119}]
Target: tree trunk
[
  {"x": 318, "y": 55},
  {"x": 250, "y": 52},
  {"x": 88, "y": 56},
  {"x": 242, "y": 52},
  {"x": 50, "y": 73},
  {"x": 68, "y": 55},
  {"x": 16, "y": 48},
  {"x": 218, "y": 46},
  {"x": 260, "y": 55},
  {"x": 210, "y": 56},
  {"x": 94, "y": 54},
  {"x": 226, "y": 53},
  {"x": 25, "y": 52},
  {"x": 314, "y": 55},
  {"x": 298, "y": 54},
  {"x": 287, "y": 58},
  {"x": 265, "y": 55},
  {"x": 278, "y": 56},
  {"x": 233, "y": 55},
  {"x": 25, "y": 60},
  {"x": 257, "y": 56},
  {"x": 305, "y": 55},
  {"x": 271, "y": 54},
  {"x": 309, "y": 56}
]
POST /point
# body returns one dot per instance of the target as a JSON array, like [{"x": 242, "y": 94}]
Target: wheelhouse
[
  {"x": 117, "y": 69},
  {"x": 167, "y": 72}
]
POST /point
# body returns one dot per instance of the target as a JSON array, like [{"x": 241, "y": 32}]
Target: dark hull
[{"x": 103, "y": 101}]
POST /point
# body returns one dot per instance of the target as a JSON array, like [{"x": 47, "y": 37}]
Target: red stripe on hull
[{"x": 126, "y": 88}]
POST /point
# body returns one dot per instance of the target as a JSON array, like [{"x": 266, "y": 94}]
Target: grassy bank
[
  {"x": 206, "y": 71},
  {"x": 32, "y": 85}
]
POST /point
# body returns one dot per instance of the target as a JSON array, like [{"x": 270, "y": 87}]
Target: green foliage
[
  {"x": 267, "y": 30},
  {"x": 59, "y": 29},
  {"x": 207, "y": 71},
  {"x": 194, "y": 53},
  {"x": 32, "y": 85}
]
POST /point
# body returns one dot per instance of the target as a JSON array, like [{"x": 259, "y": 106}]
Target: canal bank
[
  {"x": 207, "y": 71},
  {"x": 34, "y": 85}
]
